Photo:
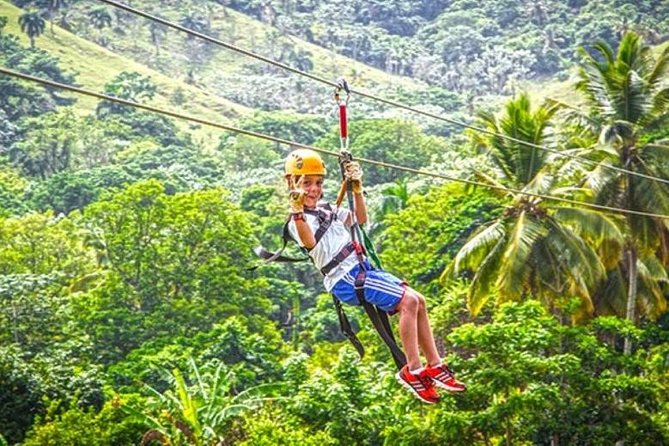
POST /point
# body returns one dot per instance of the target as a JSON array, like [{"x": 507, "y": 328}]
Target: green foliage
[
  {"x": 163, "y": 255},
  {"x": 42, "y": 244},
  {"x": 49, "y": 146},
  {"x": 20, "y": 98},
  {"x": 78, "y": 426},
  {"x": 130, "y": 86},
  {"x": 200, "y": 411},
  {"x": 394, "y": 141},
  {"x": 566, "y": 382},
  {"x": 28, "y": 382},
  {"x": 421, "y": 239},
  {"x": 65, "y": 192},
  {"x": 12, "y": 188}
]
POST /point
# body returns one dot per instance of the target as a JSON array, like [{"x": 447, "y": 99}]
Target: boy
[{"x": 326, "y": 245}]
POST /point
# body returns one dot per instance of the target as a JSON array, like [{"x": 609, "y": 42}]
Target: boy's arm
[
  {"x": 360, "y": 208},
  {"x": 304, "y": 232}
]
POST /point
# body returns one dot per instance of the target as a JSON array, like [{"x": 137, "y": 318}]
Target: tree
[
  {"x": 157, "y": 32},
  {"x": 100, "y": 19},
  {"x": 52, "y": 7},
  {"x": 49, "y": 146},
  {"x": 128, "y": 85},
  {"x": 536, "y": 247},
  {"x": 196, "y": 48},
  {"x": 628, "y": 100},
  {"x": 32, "y": 24},
  {"x": 3, "y": 23}
]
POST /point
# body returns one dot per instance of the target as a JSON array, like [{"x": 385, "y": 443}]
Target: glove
[
  {"x": 296, "y": 197},
  {"x": 353, "y": 173}
]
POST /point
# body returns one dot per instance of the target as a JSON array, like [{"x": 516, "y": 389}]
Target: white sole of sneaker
[
  {"x": 411, "y": 389},
  {"x": 445, "y": 387}
]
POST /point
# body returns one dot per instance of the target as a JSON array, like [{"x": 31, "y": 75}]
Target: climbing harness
[{"x": 359, "y": 244}]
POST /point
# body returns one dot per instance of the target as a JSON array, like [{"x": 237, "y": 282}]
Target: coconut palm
[
  {"x": 628, "y": 100},
  {"x": 536, "y": 247},
  {"x": 32, "y": 24}
]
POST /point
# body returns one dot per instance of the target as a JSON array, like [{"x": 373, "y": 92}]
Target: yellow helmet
[{"x": 304, "y": 162}]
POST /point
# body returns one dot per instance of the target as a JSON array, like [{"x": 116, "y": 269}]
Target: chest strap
[
  {"x": 346, "y": 251},
  {"x": 325, "y": 219}
]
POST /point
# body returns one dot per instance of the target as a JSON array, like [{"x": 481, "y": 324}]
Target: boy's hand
[
  {"x": 353, "y": 173},
  {"x": 296, "y": 196}
]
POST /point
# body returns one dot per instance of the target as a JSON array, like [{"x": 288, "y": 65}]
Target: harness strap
[
  {"x": 346, "y": 251},
  {"x": 325, "y": 220},
  {"x": 345, "y": 327},
  {"x": 379, "y": 319}
]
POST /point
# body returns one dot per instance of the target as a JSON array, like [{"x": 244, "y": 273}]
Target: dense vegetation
[{"x": 129, "y": 314}]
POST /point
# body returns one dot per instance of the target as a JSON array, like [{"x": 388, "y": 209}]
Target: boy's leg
[
  {"x": 424, "y": 329},
  {"x": 408, "y": 329},
  {"x": 413, "y": 376},
  {"x": 435, "y": 369}
]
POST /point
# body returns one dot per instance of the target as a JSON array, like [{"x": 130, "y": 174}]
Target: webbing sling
[{"x": 378, "y": 317}]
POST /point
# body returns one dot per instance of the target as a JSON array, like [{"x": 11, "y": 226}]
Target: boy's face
[{"x": 313, "y": 186}]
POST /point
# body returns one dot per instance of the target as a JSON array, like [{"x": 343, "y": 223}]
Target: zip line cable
[
  {"x": 282, "y": 65},
  {"x": 181, "y": 116}
]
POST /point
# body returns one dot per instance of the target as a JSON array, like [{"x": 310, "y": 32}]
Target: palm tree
[
  {"x": 100, "y": 19},
  {"x": 33, "y": 24},
  {"x": 52, "y": 7},
  {"x": 535, "y": 247},
  {"x": 628, "y": 100}
]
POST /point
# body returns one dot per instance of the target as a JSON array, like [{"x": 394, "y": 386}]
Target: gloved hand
[
  {"x": 296, "y": 196},
  {"x": 353, "y": 173}
]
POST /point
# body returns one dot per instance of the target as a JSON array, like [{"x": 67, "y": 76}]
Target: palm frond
[
  {"x": 484, "y": 279},
  {"x": 577, "y": 260},
  {"x": 514, "y": 267},
  {"x": 650, "y": 294},
  {"x": 476, "y": 248},
  {"x": 661, "y": 69},
  {"x": 541, "y": 183},
  {"x": 659, "y": 106},
  {"x": 591, "y": 224},
  {"x": 633, "y": 100},
  {"x": 611, "y": 295},
  {"x": 593, "y": 85}
]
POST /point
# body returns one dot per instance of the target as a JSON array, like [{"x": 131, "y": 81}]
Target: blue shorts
[{"x": 381, "y": 289}]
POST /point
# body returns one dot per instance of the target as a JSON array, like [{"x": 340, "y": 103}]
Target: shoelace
[
  {"x": 447, "y": 370},
  {"x": 426, "y": 381}
]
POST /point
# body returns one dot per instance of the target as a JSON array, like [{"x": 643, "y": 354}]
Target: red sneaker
[
  {"x": 443, "y": 377},
  {"x": 421, "y": 385}
]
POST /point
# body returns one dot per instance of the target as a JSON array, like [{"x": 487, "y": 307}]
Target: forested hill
[{"x": 536, "y": 229}]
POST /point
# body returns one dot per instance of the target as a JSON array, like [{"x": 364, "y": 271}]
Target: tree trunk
[
  {"x": 555, "y": 440},
  {"x": 630, "y": 313}
]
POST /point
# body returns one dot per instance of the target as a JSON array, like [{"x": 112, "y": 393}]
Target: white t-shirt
[{"x": 334, "y": 239}]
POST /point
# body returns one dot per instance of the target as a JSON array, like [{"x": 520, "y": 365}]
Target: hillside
[
  {"x": 96, "y": 66},
  {"x": 225, "y": 73}
]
